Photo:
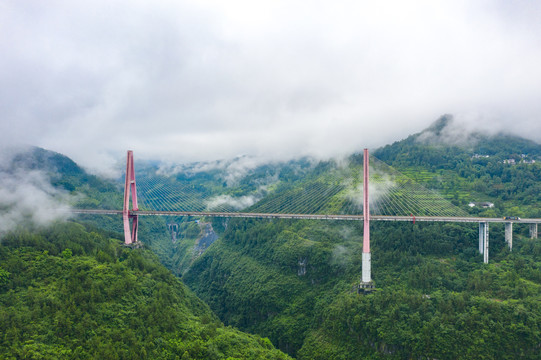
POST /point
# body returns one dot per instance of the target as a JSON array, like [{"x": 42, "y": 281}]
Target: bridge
[
  {"x": 306, "y": 216},
  {"x": 332, "y": 195}
]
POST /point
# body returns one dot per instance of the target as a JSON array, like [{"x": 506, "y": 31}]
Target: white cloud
[
  {"x": 203, "y": 80},
  {"x": 231, "y": 171},
  {"x": 378, "y": 189},
  {"x": 28, "y": 199},
  {"x": 225, "y": 202}
]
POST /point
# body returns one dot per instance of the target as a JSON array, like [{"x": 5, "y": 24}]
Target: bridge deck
[{"x": 305, "y": 216}]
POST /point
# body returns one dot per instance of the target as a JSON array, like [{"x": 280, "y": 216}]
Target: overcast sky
[{"x": 202, "y": 80}]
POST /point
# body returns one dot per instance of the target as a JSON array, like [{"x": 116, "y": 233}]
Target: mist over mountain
[
  {"x": 30, "y": 187},
  {"x": 292, "y": 280},
  {"x": 266, "y": 106},
  {"x": 38, "y": 187},
  {"x": 35, "y": 158},
  {"x": 448, "y": 134},
  {"x": 448, "y": 131}
]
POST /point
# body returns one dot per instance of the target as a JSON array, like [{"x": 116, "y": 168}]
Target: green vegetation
[
  {"x": 434, "y": 292},
  {"x": 193, "y": 186},
  {"x": 475, "y": 172},
  {"x": 65, "y": 175},
  {"x": 74, "y": 293},
  {"x": 293, "y": 281}
]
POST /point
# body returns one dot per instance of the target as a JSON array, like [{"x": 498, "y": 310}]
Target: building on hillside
[
  {"x": 483, "y": 204},
  {"x": 479, "y": 156}
]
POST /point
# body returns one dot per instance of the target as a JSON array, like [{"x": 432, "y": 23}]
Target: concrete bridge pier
[
  {"x": 483, "y": 240},
  {"x": 509, "y": 235},
  {"x": 533, "y": 231},
  {"x": 173, "y": 228}
]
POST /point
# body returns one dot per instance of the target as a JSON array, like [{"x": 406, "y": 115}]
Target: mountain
[
  {"x": 293, "y": 281},
  {"x": 42, "y": 168},
  {"x": 470, "y": 167},
  {"x": 35, "y": 158},
  {"x": 451, "y": 141},
  {"x": 62, "y": 171},
  {"x": 72, "y": 290}
]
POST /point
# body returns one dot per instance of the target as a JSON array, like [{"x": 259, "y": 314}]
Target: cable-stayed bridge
[
  {"x": 336, "y": 192},
  {"x": 332, "y": 192}
]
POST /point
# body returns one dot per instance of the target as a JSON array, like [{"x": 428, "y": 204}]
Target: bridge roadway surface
[{"x": 304, "y": 216}]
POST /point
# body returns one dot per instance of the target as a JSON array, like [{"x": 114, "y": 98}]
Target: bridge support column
[
  {"x": 481, "y": 237},
  {"x": 130, "y": 236},
  {"x": 366, "y": 274},
  {"x": 483, "y": 240},
  {"x": 533, "y": 231},
  {"x": 509, "y": 235},
  {"x": 366, "y": 284},
  {"x": 173, "y": 228}
]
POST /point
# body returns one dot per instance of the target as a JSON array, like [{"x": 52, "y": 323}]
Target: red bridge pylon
[
  {"x": 130, "y": 236},
  {"x": 366, "y": 284}
]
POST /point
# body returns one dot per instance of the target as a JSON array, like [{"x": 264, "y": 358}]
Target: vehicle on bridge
[{"x": 511, "y": 218}]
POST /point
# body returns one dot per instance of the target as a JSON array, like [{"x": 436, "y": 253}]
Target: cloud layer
[
  {"x": 201, "y": 80},
  {"x": 28, "y": 199}
]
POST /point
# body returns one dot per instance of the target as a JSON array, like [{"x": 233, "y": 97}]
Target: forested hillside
[
  {"x": 72, "y": 289},
  {"x": 502, "y": 169},
  {"x": 70, "y": 292},
  {"x": 294, "y": 281},
  {"x": 63, "y": 174}
]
